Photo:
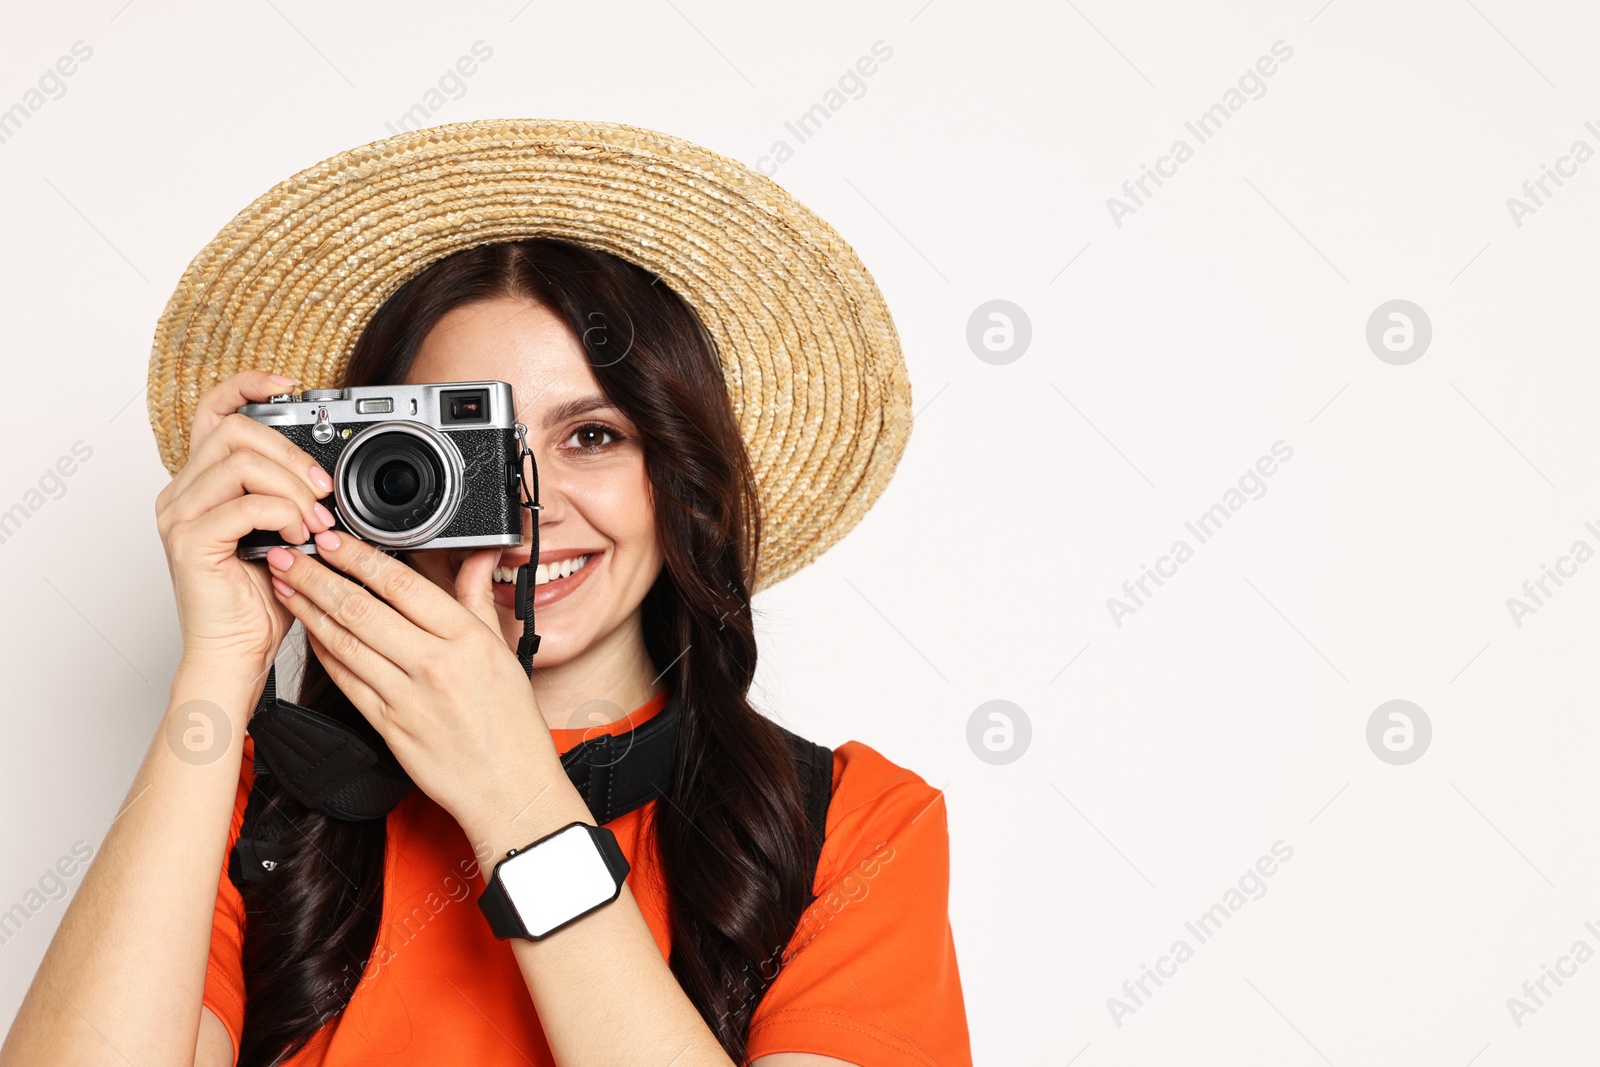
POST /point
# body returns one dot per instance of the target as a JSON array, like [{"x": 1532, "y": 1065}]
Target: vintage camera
[{"x": 413, "y": 466}]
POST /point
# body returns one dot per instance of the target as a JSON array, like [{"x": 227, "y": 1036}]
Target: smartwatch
[{"x": 563, "y": 876}]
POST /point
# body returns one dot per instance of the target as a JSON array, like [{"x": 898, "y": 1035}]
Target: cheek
[{"x": 619, "y": 506}]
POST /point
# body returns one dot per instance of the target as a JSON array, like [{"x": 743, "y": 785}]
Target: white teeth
[{"x": 542, "y": 573}]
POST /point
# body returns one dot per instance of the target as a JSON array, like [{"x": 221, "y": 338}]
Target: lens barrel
[{"x": 398, "y": 484}]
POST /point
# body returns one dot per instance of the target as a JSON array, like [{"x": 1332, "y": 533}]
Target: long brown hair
[{"x": 732, "y": 833}]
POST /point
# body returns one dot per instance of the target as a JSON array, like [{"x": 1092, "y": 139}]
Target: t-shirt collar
[{"x": 568, "y": 738}]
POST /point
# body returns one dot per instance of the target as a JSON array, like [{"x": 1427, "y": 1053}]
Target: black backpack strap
[
  {"x": 815, "y": 763},
  {"x": 257, "y": 851}
]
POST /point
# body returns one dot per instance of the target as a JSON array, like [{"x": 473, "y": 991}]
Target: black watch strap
[
  {"x": 611, "y": 852},
  {"x": 496, "y": 905}
]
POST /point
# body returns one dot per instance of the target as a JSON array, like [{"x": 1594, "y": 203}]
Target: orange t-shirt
[{"x": 872, "y": 978}]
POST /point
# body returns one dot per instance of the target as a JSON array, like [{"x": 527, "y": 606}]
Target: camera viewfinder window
[{"x": 457, "y": 406}]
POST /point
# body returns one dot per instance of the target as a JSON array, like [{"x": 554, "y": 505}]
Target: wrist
[
  {"x": 233, "y": 684},
  {"x": 494, "y": 830},
  {"x": 554, "y": 881}
]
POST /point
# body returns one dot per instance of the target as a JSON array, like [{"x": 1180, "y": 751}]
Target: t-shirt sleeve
[
  {"x": 870, "y": 974},
  {"x": 224, "y": 991}
]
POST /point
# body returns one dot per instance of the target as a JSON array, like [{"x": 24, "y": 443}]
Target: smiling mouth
[{"x": 545, "y": 573}]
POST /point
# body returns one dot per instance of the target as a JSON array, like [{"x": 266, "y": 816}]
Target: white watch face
[{"x": 558, "y": 878}]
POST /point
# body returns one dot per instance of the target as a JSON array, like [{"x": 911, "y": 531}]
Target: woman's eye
[{"x": 588, "y": 437}]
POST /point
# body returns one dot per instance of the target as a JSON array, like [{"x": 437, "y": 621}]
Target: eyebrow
[{"x": 573, "y": 408}]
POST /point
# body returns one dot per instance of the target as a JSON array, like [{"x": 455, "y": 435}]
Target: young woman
[{"x": 362, "y": 944}]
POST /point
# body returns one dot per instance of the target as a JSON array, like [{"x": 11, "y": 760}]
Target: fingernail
[
  {"x": 278, "y": 379},
  {"x": 323, "y": 514},
  {"x": 305, "y": 532},
  {"x": 279, "y": 558},
  {"x": 327, "y": 539},
  {"x": 320, "y": 479},
  {"x": 283, "y": 587}
]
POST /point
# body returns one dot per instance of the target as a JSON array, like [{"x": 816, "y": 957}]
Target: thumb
[{"x": 475, "y": 585}]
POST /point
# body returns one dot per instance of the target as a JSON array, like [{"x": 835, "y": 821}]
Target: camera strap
[
  {"x": 345, "y": 769},
  {"x": 523, "y": 602}
]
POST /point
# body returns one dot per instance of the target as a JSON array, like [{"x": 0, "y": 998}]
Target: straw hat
[{"x": 809, "y": 352}]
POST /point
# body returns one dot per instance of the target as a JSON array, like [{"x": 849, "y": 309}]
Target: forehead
[{"x": 508, "y": 340}]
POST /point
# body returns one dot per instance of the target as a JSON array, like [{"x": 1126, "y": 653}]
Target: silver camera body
[{"x": 413, "y": 466}]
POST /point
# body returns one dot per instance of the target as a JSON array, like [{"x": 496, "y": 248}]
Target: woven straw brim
[{"x": 809, "y": 352}]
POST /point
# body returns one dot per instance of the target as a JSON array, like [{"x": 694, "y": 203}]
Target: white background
[{"x": 1229, "y": 312}]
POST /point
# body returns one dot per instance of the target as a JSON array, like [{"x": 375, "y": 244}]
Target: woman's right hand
[{"x": 240, "y": 476}]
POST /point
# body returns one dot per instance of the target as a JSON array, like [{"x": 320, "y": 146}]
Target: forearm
[
  {"x": 123, "y": 976},
  {"x": 574, "y": 975}
]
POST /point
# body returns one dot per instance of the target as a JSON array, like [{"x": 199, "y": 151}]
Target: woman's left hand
[{"x": 431, "y": 672}]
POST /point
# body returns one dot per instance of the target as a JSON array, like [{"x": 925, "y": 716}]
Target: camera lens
[
  {"x": 400, "y": 483},
  {"x": 397, "y": 483}
]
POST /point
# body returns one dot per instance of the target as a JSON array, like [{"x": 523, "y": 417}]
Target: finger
[
  {"x": 344, "y": 608},
  {"x": 228, "y": 396},
  {"x": 226, "y": 523},
  {"x": 236, "y": 433},
  {"x": 402, "y": 588},
  {"x": 362, "y": 695},
  {"x": 243, "y": 472},
  {"x": 475, "y": 585},
  {"x": 348, "y": 644}
]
